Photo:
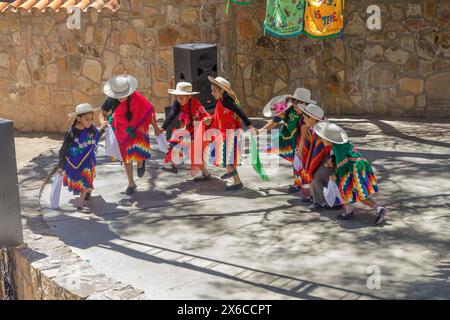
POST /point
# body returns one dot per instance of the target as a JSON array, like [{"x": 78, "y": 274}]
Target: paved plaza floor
[{"x": 179, "y": 239}]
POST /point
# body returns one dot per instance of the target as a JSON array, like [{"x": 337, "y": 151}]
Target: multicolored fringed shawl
[
  {"x": 314, "y": 152},
  {"x": 224, "y": 150},
  {"x": 80, "y": 165},
  {"x": 190, "y": 113},
  {"x": 133, "y": 137},
  {"x": 355, "y": 176}
]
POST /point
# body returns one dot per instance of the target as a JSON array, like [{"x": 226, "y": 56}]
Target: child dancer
[
  {"x": 132, "y": 115},
  {"x": 286, "y": 109},
  {"x": 189, "y": 110},
  {"x": 312, "y": 151},
  {"x": 353, "y": 174},
  {"x": 227, "y": 117},
  {"x": 77, "y": 155}
]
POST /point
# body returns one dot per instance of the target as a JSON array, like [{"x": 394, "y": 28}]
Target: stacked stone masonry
[{"x": 402, "y": 70}]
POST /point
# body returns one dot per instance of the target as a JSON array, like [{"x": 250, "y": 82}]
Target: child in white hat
[
  {"x": 353, "y": 174},
  {"x": 77, "y": 154},
  {"x": 286, "y": 109}
]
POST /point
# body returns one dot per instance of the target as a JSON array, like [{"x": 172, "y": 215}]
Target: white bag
[
  {"x": 55, "y": 193},
  {"x": 331, "y": 193},
  {"x": 111, "y": 144},
  {"x": 297, "y": 163},
  {"x": 163, "y": 145}
]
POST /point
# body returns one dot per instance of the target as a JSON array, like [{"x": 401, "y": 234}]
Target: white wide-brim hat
[
  {"x": 302, "y": 94},
  {"x": 314, "y": 111},
  {"x": 331, "y": 132},
  {"x": 182, "y": 89},
  {"x": 225, "y": 85},
  {"x": 270, "y": 111},
  {"x": 120, "y": 86},
  {"x": 82, "y": 109}
]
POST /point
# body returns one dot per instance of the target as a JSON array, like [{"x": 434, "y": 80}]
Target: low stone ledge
[{"x": 44, "y": 267}]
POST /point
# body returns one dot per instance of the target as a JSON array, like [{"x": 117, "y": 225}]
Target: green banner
[{"x": 284, "y": 18}]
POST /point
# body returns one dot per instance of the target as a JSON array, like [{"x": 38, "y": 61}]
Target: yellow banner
[{"x": 324, "y": 18}]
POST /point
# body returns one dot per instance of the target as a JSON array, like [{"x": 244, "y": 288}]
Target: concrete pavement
[{"x": 177, "y": 239}]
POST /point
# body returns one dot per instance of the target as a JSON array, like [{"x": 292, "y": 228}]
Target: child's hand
[
  {"x": 207, "y": 121},
  {"x": 329, "y": 163},
  {"x": 158, "y": 131},
  {"x": 104, "y": 125},
  {"x": 333, "y": 178}
]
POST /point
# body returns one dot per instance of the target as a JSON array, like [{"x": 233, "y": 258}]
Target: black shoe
[
  {"x": 294, "y": 189},
  {"x": 229, "y": 175},
  {"x": 141, "y": 170},
  {"x": 318, "y": 206},
  {"x": 88, "y": 196},
  {"x": 130, "y": 190},
  {"x": 171, "y": 169},
  {"x": 345, "y": 216},
  {"x": 234, "y": 187},
  {"x": 202, "y": 178},
  {"x": 85, "y": 210},
  {"x": 380, "y": 215},
  {"x": 307, "y": 200}
]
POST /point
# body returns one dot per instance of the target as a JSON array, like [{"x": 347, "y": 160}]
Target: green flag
[{"x": 256, "y": 160}]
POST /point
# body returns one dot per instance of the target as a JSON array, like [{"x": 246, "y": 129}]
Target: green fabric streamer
[
  {"x": 256, "y": 160},
  {"x": 228, "y": 7}
]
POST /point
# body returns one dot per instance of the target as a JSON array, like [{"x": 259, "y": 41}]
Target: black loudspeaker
[{"x": 194, "y": 63}]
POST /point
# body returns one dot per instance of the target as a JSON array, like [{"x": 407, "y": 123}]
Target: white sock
[{"x": 348, "y": 209}]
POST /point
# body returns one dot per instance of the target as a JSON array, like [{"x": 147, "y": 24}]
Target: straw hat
[
  {"x": 302, "y": 94},
  {"x": 314, "y": 111},
  {"x": 331, "y": 132},
  {"x": 276, "y": 106},
  {"x": 82, "y": 109},
  {"x": 120, "y": 86},
  {"x": 225, "y": 85},
  {"x": 182, "y": 89}
]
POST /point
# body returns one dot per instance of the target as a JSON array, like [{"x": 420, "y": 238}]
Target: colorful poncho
[
  {"x": 225, "y": 149},
  {"x": 289, "y": 135},
  {"x": 355, "y": 176},
  {"x": 314, "y": 152},
  {"x": 191, "y": 112},
  {"x": 133, "y": 137},
  {"x": 80, "y": 165}
]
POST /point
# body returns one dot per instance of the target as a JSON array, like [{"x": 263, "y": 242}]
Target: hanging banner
[
  {"x": 243, "y": 2},
  {"x": 324, "y": 18},
  {"x": 284, "y": 18}
]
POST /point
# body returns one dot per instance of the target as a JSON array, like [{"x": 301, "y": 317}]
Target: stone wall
[
  {"x": 46, "y": 69},
  {"x": 402, "y": 70}
]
